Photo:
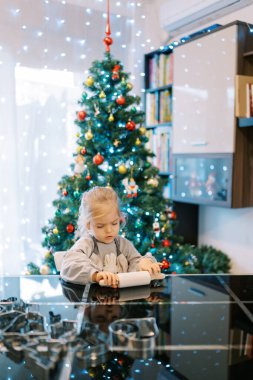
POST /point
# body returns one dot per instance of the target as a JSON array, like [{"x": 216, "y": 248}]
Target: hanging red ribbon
[
  {"x": 108, "y": 29},
  {"x": 108, "y": 40}
]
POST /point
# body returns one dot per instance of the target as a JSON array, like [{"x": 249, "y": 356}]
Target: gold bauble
[
  {"x": 163, "y": 217},
  {"x": 78, "y": 149},
  {"x": 44, "y": 269},
  {"x": 129, "y": 86},
  {"x": 102, "y": 95},
  {"x": 88, "y": 135},
  {"x": 48, "y": 254},
  {"x": 122, "y": 169},
  {"x": 89, "y": 81},
  {"x": 92, "y": 373},
  {"x": 138, "y": 142},
  {"x": 55, "y": 231},
  {"x": 153, "y": 182},
  {"x": 116, "y": 143},
  {"x": 142, "y": 130},
  {"x": 111, "y": 117}
]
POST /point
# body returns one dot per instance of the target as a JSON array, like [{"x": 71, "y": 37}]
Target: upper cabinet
[
  {"x": 203, "y": 101},
  {"x": 212, "y": 154}
]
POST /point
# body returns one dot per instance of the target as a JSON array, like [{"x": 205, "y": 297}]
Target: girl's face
[{"x": 106, "y": 227}]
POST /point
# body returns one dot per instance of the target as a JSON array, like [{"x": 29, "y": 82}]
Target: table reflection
[{"x": 184, "y": 327}]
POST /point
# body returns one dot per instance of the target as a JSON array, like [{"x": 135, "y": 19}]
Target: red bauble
[
  {"x": 98, "y": 159},
  {"x": 64, "y": 192},
  {"x": 121, "y": 100},
  {"x": 115, "y": 72},
  {"x": 116, "y": 68},
  {"x": 108, "y": 41},
  {"x": 115, "y": 76},
  {"x": 88, "y": 177},
  {"x": 166, "y": 243},
  {"x": 81, "y": 115},
  {"x": 152, "y": 245},
  {"x": 172, "y": 215},
  {"x": 83, "y": 151},
  {"x": 165, "y": 264},
  {"x": 130, "y": 125},
  {"x": 70, "y": 228}
]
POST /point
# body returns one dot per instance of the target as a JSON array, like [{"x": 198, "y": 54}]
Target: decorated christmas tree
[{"x": 112, "y": 151}]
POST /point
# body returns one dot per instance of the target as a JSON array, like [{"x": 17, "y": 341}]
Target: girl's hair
[{"x": 95, "y": 203}]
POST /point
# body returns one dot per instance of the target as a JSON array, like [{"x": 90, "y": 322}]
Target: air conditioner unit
[{"x": 178, "y": 17}]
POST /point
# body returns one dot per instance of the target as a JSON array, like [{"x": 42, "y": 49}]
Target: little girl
[{"x": 101, "y": 253}]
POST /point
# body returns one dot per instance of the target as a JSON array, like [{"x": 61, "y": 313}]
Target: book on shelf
[
  {"x": 160, "y": 70},
  {"x": 151, "y": 109},
  {"x": 169, "y": 70},
  {"x": 162, "y": 149},
  {"x": 159, "y": 143},
  {"x": 153, "y": 68},
  {"x": 243, "y": 96},
  {"x": 249, "y": 99},
  {"x": 165, "y": 114}
]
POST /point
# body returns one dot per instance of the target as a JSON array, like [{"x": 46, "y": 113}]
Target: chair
[{"x": 58, "y": 258}]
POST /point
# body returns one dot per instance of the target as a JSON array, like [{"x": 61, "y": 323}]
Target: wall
[{"x": 229, "y": 230}]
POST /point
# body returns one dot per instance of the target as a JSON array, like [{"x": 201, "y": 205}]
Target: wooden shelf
[
  {"x": 248, "y": 53},
  {"x": 169, "y": 124},
  {"x": 162, "y": 88},
  {"x": 163, "y": 174},
  {"x": 245, "y": 122}
]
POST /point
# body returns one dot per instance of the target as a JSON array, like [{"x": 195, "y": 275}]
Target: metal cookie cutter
[
  {"x": 137, "y": 336},
  {"x": 91, "y": 356}
]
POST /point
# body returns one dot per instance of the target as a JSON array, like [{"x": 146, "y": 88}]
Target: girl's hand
[
  {"x": 110, "y": 279},
  {"x": 150, "y": 266}
]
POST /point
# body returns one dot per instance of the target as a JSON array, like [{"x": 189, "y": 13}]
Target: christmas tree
[{"x": 112, "y": 151}]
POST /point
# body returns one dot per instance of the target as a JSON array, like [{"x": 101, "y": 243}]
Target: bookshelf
[
  {"x": 159, "y": 125},
  {"x": 158, "y": 106}
]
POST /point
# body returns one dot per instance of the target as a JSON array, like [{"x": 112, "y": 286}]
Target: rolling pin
[{"x": 140, "y": 278}]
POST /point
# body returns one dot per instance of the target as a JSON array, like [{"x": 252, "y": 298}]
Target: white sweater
[{"x": 81, "y": 262}]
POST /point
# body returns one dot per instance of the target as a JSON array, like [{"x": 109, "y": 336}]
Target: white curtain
[{"x": 46, "y": 48}]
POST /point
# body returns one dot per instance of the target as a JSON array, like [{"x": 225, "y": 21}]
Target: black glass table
[{"x": 191, "y": 327}]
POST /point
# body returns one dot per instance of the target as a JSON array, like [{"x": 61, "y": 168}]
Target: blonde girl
[{"x": 100, "y": 253}]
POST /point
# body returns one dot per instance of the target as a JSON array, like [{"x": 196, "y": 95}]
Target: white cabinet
[
  {"x": 203, "y": 93},
  {"x": 212, "y": 156}
]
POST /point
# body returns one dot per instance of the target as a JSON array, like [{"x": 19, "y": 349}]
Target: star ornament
[{"x": 116, "y": 143}]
